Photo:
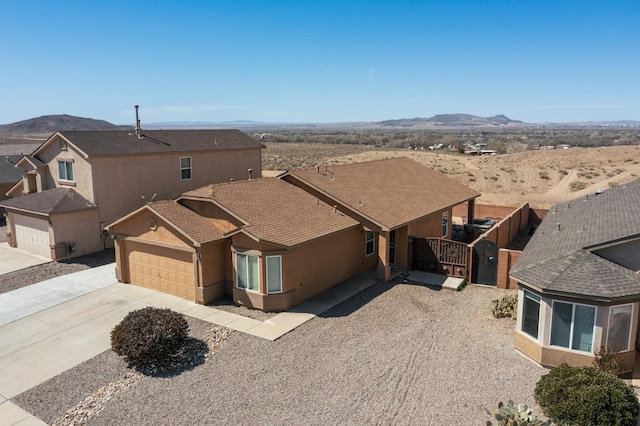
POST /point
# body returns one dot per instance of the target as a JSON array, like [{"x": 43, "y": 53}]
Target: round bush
[
  {"x": 586, "y": 396},
  {"x": 149, "y": 335}
]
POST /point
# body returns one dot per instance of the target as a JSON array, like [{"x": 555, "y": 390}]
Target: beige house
[
  {"x": 78, "y": 181},
  {"x": 579, "y": 280},
  {"x": 273, "y": 243}
]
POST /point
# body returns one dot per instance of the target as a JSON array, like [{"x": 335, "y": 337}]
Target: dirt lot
[
  {"x": 393, "y": 354},
  {"x": 541, "y": 177}
]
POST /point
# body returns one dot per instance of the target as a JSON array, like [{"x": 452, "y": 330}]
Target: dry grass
[{"x": 542, "y": 177}]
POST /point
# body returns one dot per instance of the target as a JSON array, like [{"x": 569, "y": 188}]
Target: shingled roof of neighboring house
[
  {"x": 196, "y": 227},
  {"x": 560, "y": 257},
  {"x": 390, "y": 193},
  {"x": 9, "y": 173},
  {"x": 56, "y": 200},
  {"x": 275, "y": 211},
  {"x": 107, "y": 142}
]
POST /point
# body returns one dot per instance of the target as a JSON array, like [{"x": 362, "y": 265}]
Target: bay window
[
  {"x": 530, "y": 314},
  {"x": 572, "y": 326},
  {"x": 247, "y": 272},
  {"x": 619, "y": 329},
  {"x": 274, "y": 274}
]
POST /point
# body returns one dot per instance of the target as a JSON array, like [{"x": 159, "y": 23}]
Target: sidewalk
[{"x": 50, "y": 327}]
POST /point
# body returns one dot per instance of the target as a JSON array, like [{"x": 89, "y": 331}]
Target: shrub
[
  {"x": 514, "y": 415},
  {"x": 149, "y": 335},
  {"x": 586, "y": 396},
  {"x": 505, "y": 307},
  {"x": 608, "y": 360}
]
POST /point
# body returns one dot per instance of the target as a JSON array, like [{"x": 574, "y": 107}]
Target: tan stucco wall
[
  {"x": 430, "y": 226},
  {"x": 80, "y": 228},
  {"x": 121, "y": 182},
  {"x": 307, "y": 270},
  {"x": 82, "y": 184}
]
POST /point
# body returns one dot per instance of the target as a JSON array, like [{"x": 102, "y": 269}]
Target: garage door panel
[
  {"x": 32, "y": 235},
  {"x": 167, "y": 270}
]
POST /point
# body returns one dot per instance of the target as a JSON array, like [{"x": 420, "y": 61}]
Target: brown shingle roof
[
  {"x": 9, "y": 173},
  {"x": 561, "y": 257},
  {"x": 56, "y": 200},
  {"x": 107, "y": 142},
  {"x": 200, "y": 229},
  {"x": 276, "y": 211},
  {"x": 391, "y": 192}
]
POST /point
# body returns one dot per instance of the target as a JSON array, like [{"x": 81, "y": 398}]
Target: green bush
[
  {"x": 514, "y": 415},
  {"x": 506, "y": 306},
  {"x": 586, "y": 396},
  {"x": 149, "y": 335}
]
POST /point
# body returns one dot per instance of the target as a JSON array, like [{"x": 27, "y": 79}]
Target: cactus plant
[{"x": 514, "y": 415}]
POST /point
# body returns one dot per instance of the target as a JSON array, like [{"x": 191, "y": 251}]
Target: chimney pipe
[
  {"x": 137, "y": 123},
  {"x": 250, "y": 173}
]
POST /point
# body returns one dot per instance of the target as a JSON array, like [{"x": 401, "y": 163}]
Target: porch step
[{"x": 436, "y": 280}]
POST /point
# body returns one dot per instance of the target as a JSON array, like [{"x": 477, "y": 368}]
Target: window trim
[
  {"x": 368, "y": 240},
  {"x": 66, "y": 170},
  {"x": 630, "y": 329},
  {"x": 189, "y": 168},
  {"x": 267, "y": 258},
  {"x": 445, "y": 224},
  {"x": 572, "y": 326},
  {"x": 246, "y": 261},
  {"x": 536, "y": 298}
]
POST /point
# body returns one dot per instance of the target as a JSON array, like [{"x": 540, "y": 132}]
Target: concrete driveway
[
  {"x": 13, "y": 259},
  {"x": 52, "y": 326}
]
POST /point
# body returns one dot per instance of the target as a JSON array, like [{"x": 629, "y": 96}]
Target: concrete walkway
[{"x": 50, "y": 327}]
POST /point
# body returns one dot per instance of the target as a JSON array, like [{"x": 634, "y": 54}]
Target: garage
[
  {"x": 161, "y": 268},
  {"x": 32, "y": 234}
]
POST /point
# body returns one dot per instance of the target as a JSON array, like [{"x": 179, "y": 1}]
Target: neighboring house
[
  {"x": 78, "y": 181},
  {"x": 579, "y": 282},
  {"x": 273, "y": 243},
  {"x": 9, "y": 175}
]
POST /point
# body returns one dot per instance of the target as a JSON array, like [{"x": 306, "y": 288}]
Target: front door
[
  {"x": 392, "y": 247},
  {"x": 485, "y": 263}
]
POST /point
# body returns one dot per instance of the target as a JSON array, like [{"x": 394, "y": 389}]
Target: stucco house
[
  {"x": 273, "y": 243},
  {"x": 9, "y": 175},
  {"x": 76, "y": 182},
  {"x": 579, "y": 280}
]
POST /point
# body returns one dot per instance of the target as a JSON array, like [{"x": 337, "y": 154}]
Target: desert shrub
[
  {"x": 514, "y": 415},
  {"x": 577, "y": 185},
  {"x": 608, "y": 359},
  {"x": 586, "y": 396},
  {"x": 505, "y": 307},
  {"x": 149, "y": 335}
]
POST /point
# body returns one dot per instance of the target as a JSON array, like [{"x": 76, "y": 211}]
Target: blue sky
[{"x": 319, "y": 61}]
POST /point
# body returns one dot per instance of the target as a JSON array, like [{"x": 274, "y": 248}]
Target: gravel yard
[{"x": 393, "y": 354}]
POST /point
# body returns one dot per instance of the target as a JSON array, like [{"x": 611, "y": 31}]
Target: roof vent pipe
[
  {"x": 137, "y": 123},
  {"x": 250, "y": 173}
]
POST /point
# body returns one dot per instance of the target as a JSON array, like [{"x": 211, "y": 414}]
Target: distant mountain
[
  {"x": 48, "y": 124},
  {"x": 452, "y": 120}
]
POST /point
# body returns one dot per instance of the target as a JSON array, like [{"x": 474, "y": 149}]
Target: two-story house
[{"x": 78, "y": 181}]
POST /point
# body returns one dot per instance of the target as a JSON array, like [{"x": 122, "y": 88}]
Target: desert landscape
[{"x": 542, "y": 177}]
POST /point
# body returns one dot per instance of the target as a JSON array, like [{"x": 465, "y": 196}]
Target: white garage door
[
  {"x": 32, "y": 234},
  {"x": 160, "y": 268}
]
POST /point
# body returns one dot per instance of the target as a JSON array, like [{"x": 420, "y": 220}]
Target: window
[
  {"x": 619, "y": 328},
  {"x": 530, "y": 314},
  {"x": 65, "y": 170},
  {"x": 274, "y": 274},
  {"x": 445, "y": 224},
  {"x": 370, "y": 243},
  {"x": 572, "y": 326},
  {"x": 185, "y": 168},
  {"x": 248, "y": 273}
]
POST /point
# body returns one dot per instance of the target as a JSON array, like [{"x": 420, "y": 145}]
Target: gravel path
[{"x": 393, "y": 354}]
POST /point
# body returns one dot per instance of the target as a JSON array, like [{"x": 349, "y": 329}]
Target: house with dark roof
[
  {"x": 9, "y": 175},
  {"x": 579, "y": 280},
  {"x": 273, "y": 243},
  {"x": 76, "y": 182}
]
